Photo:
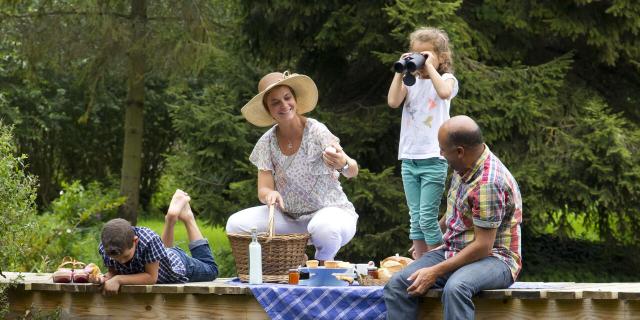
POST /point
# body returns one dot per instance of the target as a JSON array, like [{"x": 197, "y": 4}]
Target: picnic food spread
[
  {"x": 346, "y": 272},
  {"x": 73, "y": 271}
]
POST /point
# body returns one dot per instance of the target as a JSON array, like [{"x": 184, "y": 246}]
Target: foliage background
[{"x": 554, "y": 86}]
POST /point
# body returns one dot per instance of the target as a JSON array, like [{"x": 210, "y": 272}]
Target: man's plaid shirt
[{"x": 486, "y": 196}]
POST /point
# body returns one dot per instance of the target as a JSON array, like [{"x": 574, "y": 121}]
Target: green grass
[{"x": 217, "y": 238}]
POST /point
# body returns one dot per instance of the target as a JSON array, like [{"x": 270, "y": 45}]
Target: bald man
[{"x": 481, "y": 242}]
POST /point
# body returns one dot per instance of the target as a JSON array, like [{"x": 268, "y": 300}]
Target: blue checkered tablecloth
[{"x": 282, "y": 301}]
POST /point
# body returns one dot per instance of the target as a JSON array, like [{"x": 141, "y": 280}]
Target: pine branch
[
  {"x": 63, "y": 13},
  {"x": 90, "y": 13}
]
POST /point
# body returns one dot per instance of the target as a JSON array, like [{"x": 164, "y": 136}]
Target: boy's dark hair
[{"x": 117, "y": 236}]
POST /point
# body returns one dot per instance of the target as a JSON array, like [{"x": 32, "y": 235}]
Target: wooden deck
[{"x": 36, "y": 293}]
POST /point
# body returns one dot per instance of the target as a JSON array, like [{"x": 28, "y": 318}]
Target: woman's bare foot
[{"x": 178, "y": 203}]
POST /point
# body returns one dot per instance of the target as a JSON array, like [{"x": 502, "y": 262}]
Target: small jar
[
  {"x": 294, "y": 276},
  {"x": 372, "y": 271}
]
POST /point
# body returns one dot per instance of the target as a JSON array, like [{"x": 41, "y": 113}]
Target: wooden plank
[
  {"x": 629, "y": 295},
  {"x": 198, "y": 289},
  {"x": 527, "y": 294},
  {"x": 540, "y": 309},
  {"x": 565, "y": 291},
  {"x": 150, "y": 306},
  {"x": 221, "y": 300},
  {"x": 495, "y": 294},
  {"x": 600, "y": 295},
  {"x": 44, "y": 282},
  {"x": 175, "y": 288},
  {"x": 563, "y": 294},
  {"x": 135, "y": 306},
  {"x": 136, "y": 289}
]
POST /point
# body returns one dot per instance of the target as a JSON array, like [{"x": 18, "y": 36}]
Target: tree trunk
[{"x": 133, "y": 123}]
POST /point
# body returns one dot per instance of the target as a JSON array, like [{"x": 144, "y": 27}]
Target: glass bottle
[{"x": 255, "y": 258}]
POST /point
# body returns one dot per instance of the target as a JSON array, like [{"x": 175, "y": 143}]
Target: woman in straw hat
[{"x": 299, "y": 162}]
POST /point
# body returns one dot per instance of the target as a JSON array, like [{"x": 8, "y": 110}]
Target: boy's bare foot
[
  {"x": 178, "y": 202},
  {"x": 186, "y": 214}
]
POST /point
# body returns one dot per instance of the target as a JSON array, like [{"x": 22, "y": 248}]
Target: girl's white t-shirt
[{"x": 422, "y": 115}]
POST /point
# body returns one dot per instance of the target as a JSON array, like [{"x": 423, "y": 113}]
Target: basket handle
[
  {"x": 271, "y": 225},
  {"x": 73, "y": 262}
]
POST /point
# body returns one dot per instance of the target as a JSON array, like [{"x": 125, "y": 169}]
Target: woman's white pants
[{"x": 330, "y": 228}]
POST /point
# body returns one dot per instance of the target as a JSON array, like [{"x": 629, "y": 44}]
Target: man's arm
[
  {"x": 149, "y": 276},
  {"x": 480, "y": 248}
]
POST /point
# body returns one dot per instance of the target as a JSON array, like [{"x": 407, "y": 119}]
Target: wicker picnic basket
[
  {"x": 279, "y": 252},
  {"x": 366, "y": 280}
]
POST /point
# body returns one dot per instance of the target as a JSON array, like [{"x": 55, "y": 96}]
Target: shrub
[
  {"x": 17, "y": 200},
  {"x": 73, "y": 224}
]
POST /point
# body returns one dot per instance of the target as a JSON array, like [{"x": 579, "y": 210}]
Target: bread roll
[
  {"x": 384, "y": 274},
  {"x": 403, "y": 260},
  {"x": 344, "y": 278},
  {"x": 331, "y": 264},
  {"x": 392, "y": 265},
  {"x": 312, "y": 263}
]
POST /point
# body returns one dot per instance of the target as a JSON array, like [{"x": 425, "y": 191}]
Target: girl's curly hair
[{"x": 440, "y": 41}]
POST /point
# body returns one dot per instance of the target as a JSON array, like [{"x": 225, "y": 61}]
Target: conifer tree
[
  {"x": 135, "y": 39},
  {"x": 531, "y": 90}
]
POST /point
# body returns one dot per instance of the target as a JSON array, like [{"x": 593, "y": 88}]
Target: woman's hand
[
  {"x": 334, "y": 157},
  {"x": 274, "y": 197}
]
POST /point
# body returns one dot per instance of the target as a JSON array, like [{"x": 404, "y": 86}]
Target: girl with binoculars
[{"x": 427, "y": 91}]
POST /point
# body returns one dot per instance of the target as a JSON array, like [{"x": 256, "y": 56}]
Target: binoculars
[{"x": 409, "y": 65}]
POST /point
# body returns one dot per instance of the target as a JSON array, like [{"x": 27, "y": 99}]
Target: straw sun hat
[{"x": 303, "y": 87}]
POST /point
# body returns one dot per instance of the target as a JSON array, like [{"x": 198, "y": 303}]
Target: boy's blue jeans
[
  {"x": 457, "y": 287},
  {"x": 201, "y": 266},
  {"x": 424, "y": 181}
]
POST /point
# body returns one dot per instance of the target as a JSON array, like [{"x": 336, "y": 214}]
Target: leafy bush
[
  {"x": 86, "y": 206},
  {"x": 17, "y": 200},
  {"x": 73, "y": 224}
]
